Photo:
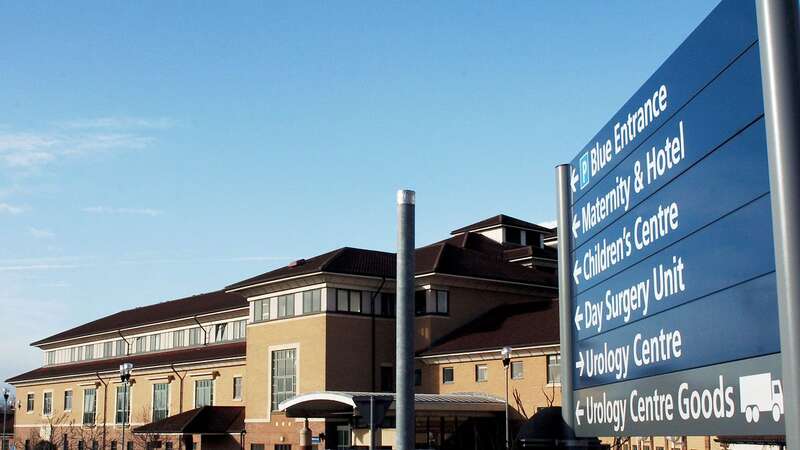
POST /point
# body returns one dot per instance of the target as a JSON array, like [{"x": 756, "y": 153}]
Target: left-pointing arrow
[
  {"x": 578, "y": 317},
  {"x": 576, "y": 224},
  {"x": 574, "y": 179},
  {"x": 578, "y": 412},
  {"x": 576, "y": 273}
]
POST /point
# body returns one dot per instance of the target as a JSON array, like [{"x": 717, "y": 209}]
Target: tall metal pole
[
  {"x": 565, "y": 292},
  {"x": 5, "y": 411},
  {"x": 508, "y": 435},
  {"x": 124, "y": 414},
  {"x": 404, "y": 402},
  {"x": 778, "y": 34}
]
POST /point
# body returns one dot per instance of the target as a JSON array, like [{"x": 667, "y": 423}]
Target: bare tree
[
  {"x": 91, "y": 435},
  {"x": 46, "y": 437},
  {"x": 145, "y": 441}
]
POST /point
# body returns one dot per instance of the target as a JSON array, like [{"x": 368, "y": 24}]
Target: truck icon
[{"x": 760, "y": 393}]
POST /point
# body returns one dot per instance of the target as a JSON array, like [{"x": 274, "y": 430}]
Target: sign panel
[{"x": 675, "y": 320}]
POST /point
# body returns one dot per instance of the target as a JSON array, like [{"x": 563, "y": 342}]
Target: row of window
[
  {"x": 517, "y": 371},
  {"x": 204, "y": 396},
  {"x": 221, "y": 332},
  {"x": 347, "y": 300}
]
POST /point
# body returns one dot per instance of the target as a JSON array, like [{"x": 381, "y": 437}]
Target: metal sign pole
[
  {"x": 778, "y": 34},
  {"x": 405, "y": 320},
  {"x": 565, "y": 291}
]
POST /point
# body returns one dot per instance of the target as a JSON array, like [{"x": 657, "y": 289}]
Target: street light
[
  {"x": 125, "y": 376},
  {"x": 5, "y": 411},
  {"x": 505, "y": 352}
]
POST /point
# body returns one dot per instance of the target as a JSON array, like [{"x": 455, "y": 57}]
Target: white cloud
[
  {"x": 5, "y": 208},
  {"x": 159, "y": 123},
  {"x": 549, "y": 223},
  {"x": 133, "y": 211},
  {"x": 39, "y": 233},
  {"x": 30, "y": 149}
]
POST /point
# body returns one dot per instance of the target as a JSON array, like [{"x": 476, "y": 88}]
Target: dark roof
[
  {"x": 530, "y": 251},
  {"x": 442, "y": 257},
  {"x": 346, "y": 260},
  {"x": 513, "y": 325},
  {"x": 205, "y": 420},
  {"x": 502, "y": 219},
  {"x": 185, "y": 355},
  {"x": 159, "y": 312}
]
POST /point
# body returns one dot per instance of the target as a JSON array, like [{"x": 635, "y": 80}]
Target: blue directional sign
[{"x": 671, "y": 260}]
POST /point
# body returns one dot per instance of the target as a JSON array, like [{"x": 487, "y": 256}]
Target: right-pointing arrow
[
  {"x": 579, "y": 364},
  {"x": 578, "y": 317},
  {"x": 578, "y": 412}
]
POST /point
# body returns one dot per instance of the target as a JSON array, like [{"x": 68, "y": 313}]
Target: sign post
[
  {"x": 669, "y": 282},
  {"x": 778, "y": 33}
]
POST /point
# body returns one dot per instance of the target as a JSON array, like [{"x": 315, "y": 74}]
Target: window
[
  {"x": 554, "y": 369},
  {"x": 261, "y": 310},
  {"x": 203, "y": 393},
  {"x": 94, "y": 445},
  {"x": 67, "y": 400},
  {"x": 387, "y": 379},
  {"x": 178, "y": 339},
  {"x": 64, "y": 442},
  {"x": 239, "y": 329},
  {"x": 481, "y": 373},
  {"x": 283, "y": 446},
  {"x": 237, "y": 388},
  {"x": 123, "y": 405},
  {"x": 89, "y": 406},
  {"x": 194, "y": 336},
  {"x": 140, "y": 344},
  {"x": 51, "y": 357},
  {"x": 81, "y": 445},
  {"x": 129, "y": 444},
  {"x": 168, "y": 445},
  {"x": 47, "y": 408},
  {"x": 442, "y": 302},
  {"x": 343, "y": 437},
  {"x": 417, "y": 377},
  {"x": 448, "y": 375},
  {"x": 312, "y": 301},
  {"x": 516, "y": 370},
  {"x": 256, "y": 446},
  {"x": 29, "y": 403},
  {"x": 160, "y": 401},
  {"x": 108, "y": 349},
  {"x": 420, "y": 302},
  {"x": 220, "y": 332},
  {"x": 113, "y": 445},
  {"x": 88, "y": 351},
  {"x": 73, "y": 354},
  {"x": 155, "y": 342},
  {"x": 388, "y": 304},
  {"x": 283, "y": 376},
  {"x": 286, "y": 305},
  {"x": 348, "y": 300},
  {"x": 513, "y": 235},
  {"x": 121, "y": 348}
]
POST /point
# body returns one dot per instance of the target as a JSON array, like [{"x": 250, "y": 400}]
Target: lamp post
[
  {"x": 125, "y": 376},
  {"x": 506, "y": 354},
  {"x": 5, "y": 411}
]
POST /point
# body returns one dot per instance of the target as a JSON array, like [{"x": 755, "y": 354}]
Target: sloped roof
[
  {"x": 205, "y": 420},
  {"x": 512, "y": 325},
  {"x": 502, "y": 219},
  {"x": 140, "y": 361},
  {"x": 159, "y": 312},
  {"x": 530, "y": 251},
  {"x": 442, "y": 257}
]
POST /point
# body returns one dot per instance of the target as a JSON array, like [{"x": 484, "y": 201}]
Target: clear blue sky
[{"x": 152, "y": 150}]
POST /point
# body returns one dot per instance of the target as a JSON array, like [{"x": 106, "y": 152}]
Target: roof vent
[{"x": 297, "y": 263}]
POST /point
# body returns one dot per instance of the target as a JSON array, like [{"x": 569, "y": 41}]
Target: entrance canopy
[
  {"x": 206, "y": 420},
  {"x": 337, "y": 404}
]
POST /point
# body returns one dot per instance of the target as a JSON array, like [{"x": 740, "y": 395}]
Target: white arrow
[
  {"x": 578, "y": 412},
  {"x": 576, "y": 272},
  {"x": 574, "y": 179},
  {"x": 579, "y": 364},
  {"x": 578, "y": 317},
  {"x": 575, "y": 225}
]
